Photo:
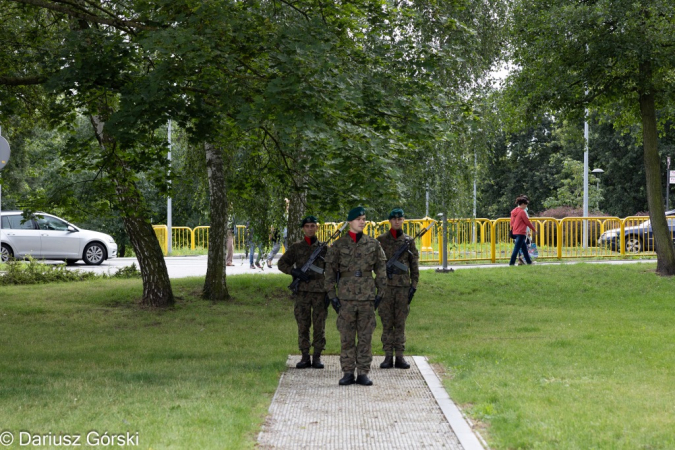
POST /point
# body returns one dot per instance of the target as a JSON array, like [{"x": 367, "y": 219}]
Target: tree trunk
[
  {"x": 665, "y": 254},
  {"x": 296, "y": 212},
  {"x": 156, "y": 283},
  {"x": 215, "y": 283}
]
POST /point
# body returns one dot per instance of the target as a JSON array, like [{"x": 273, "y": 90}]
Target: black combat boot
[
  {"x": 363, "y": 380},
  {"x": 388, "y": 362},
  {"x": 401, "y": 363},
  {"x": 347, "y": 379},
  {"x": 316, "y": 361},
  {"x": 305, "y": 362}
]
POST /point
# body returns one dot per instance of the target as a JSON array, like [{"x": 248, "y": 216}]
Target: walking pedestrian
[
  {"x": 399, "y": 291},
  {"x": 230, "y": 242},
  {"x": 519, "y": 225},
  {"x": 350, "y": 264},
  {"x": 275, "y": 239},
  {"x": 520, "y": 261},
  {"x": 252, "y": 242},
  {"x": 311, "y": 307}
]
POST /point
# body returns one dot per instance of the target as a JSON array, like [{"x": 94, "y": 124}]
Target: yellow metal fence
[{"x": 481, "y": 240}]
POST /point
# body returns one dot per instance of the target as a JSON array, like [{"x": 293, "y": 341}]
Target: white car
[{"x": 49, "y": 237}]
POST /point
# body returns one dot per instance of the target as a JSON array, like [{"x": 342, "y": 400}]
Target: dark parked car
[{"x": 639, "y": 238}]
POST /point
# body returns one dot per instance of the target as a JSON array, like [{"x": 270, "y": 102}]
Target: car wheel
[
  {"x": 94, "y": 254},
  {"x": 70, "y": 262},
  {"x": 633, "y": 244},
  {"x": 6, "y": 253}
]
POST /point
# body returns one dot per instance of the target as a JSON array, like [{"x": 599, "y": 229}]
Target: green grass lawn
[
  {"x": 544, "y": 357},
  {"x": 574, "y": 357}
]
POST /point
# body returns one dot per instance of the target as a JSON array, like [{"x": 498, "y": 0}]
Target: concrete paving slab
[{"x": 310, "y": 410}]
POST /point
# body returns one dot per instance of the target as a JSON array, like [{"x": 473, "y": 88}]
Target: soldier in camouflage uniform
[
  {"x": 399, "y": 291},
  {"x": 350, "y": 264},
  {"x": 311, "y": 305}
]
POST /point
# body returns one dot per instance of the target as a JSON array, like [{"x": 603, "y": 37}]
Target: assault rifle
[
  {"x": 394, "y": 262},
  {"x": 309, "y": 265}
]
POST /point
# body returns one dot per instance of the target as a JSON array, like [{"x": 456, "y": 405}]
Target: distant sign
[
  {"x": 672, "y": 177},
  {"x": 4, "y": 152}
]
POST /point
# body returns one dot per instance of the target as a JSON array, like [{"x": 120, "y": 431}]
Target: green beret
[
  {"x": 308, "y": 219},
  {"x": 396, "y": 213},
  {"x": 356, "y": 213}
]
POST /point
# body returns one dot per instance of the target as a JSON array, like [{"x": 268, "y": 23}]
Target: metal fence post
[
  {"x": 493, "y": 241},
  {"x": 445, "y": 245},
  {"x": 558, "y": 228}
]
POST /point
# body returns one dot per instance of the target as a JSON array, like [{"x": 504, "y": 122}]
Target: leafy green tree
[
  {"x": 516, "y": 164},
  {"x": 571, "y": 56},
  {"x": 571, "y": 182},
  {"x": 84, "y": 63}
]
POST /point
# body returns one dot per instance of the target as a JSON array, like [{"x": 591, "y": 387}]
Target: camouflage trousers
[
  {"x": 310, "y": 309},
  {"x": 356, "y": 318},
  {"x": 394, "y": 311}
]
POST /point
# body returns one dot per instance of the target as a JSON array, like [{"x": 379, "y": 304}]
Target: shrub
[
  {"x": 35, "y": 272},
  {"x": 571, "y": 234},
  {"x": 19, "y": 272},
  {"x": 128, "y": 272},
  {"x": 561, "y": 212}
]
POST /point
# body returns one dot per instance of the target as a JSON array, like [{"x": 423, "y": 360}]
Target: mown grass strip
[{"x": 578, "y": 356}]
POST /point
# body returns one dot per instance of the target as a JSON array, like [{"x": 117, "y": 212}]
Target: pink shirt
[{"x": 519, "y": 221}]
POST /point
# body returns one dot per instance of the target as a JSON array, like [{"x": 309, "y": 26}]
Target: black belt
[{"x": 356, "y": 274}]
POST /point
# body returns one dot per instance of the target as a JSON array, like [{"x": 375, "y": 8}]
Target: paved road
[
  {"x": 195, "y": 266},
  {"x": 178, "y": 266}
]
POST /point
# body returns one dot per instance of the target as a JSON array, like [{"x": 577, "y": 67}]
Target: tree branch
[
  {"x": 283, "y": 156},
  {"x": 22, "y": 81},
  {"x": 295, "y": 8},
  {"x": 126, "y": 25}
]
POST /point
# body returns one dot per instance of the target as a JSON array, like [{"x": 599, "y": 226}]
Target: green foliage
[
  {"x": 516, "y": 164},
  {"x": 591, "y": 56},
  {"x": 315, "y": 100},
  {"x": 18, "y": 272},
  {"x": 127, "y": 272},
  {"x": 571, "y": 182},
  {"x": 35, "y": 272},
  {"x": 530, "y": 161}
]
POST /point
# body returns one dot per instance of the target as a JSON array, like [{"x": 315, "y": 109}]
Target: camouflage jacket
[
  {"x": 296, "y": 256},
  {"x": 410, "y": 259},
  {"x": 349, "y": 258}
]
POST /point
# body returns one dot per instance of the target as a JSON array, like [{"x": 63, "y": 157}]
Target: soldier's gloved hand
[
  {"x": 336, "y": 304},
  {"x": 297, "y": 273},
  {"x": 391, "y": 271},
  {"x": 326, "y": 302},
  {"x": 378, "y": 299},
  {"x": 411, "y": 293}
]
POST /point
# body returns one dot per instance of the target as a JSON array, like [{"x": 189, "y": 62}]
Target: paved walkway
[
  {"x": 404, "y": 409},
  {"x": 195, "y": 266}
]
